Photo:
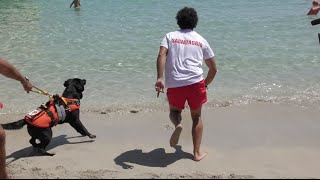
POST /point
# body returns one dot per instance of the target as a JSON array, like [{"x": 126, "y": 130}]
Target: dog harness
[{"x": 52, "y": 113}]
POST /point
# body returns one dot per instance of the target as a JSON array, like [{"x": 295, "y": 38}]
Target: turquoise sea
[{"x": 266, "y": 51}]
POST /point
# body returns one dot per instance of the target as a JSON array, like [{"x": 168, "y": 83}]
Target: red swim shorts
[{"x": 195, "y": 94}]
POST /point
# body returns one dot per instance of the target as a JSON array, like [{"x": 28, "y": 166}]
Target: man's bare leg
[
  {"x": 3, "y": 170},
  {"x": 175, "y": 117},
  {"x": 197, "y": 130}
]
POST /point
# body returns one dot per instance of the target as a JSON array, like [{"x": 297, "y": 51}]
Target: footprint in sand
[{"x": 168, "y": 127}]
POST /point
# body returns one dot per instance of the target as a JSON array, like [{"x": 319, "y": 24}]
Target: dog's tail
[{"x": 15, "y": 125}]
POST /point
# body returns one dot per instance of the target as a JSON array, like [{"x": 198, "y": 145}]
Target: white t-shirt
[{"x": 186, "y": 52}]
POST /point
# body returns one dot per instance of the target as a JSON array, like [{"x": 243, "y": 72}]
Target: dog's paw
[
  {"x": 92, "y": 136},
  {"x": 126, "y": 166}
]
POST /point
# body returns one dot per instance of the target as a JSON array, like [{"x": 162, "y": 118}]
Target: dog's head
[{"x": 74, "y": 88}]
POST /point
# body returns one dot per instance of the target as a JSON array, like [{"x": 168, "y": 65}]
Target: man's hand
[{"x": 159, "y": 86}]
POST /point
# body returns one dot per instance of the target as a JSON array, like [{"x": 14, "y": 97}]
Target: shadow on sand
[
  {"x": 155, "y": 158},
  {"x": 55, "y": 142}
]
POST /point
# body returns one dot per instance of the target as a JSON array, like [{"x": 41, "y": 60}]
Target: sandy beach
[{"x": 248, "y": 141}]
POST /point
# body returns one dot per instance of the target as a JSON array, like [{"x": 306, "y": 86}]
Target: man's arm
[
  {"x": 10, "y": 71},
  {"x": 161, "y": 61},
  {"x": 211, "y": 63}
]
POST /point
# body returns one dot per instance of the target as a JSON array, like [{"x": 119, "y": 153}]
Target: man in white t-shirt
[{"x": 181, "y": 56}]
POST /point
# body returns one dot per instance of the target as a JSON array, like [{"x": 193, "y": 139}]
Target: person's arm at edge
[
  {"x": 10, "y": 71},
  {"x": 211, "y": 63}
]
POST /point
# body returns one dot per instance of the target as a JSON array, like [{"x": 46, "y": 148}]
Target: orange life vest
[{"x": 47, "y": 115}]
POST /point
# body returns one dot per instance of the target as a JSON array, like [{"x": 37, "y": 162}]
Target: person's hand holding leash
[
  {"x": 26, "y": 84},
  {"x": 159, "y": 86}
]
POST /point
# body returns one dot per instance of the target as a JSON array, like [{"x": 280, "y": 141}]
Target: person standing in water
[
  {"x": 181, "y": 56},
  {"x": 76, "y": 4},
  {"x": 315, "y": 8}
]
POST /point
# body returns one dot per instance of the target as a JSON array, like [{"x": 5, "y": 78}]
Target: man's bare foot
[
  {"x": 199, "y": 156},
  {"x": 174, "y": 140}
]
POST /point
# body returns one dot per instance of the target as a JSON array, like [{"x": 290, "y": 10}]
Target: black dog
[{"x": 68, "y": 107}]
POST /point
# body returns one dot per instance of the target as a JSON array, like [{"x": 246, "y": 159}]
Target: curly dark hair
[{"x": 187, "y": 18}]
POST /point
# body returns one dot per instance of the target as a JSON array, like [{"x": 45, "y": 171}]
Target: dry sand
[{"x": 248, "y": 141}]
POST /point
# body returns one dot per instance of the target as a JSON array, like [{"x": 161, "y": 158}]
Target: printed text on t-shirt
[{"x": 187, "y": 42}]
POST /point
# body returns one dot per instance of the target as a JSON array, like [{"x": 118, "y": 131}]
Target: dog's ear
[
  {"x": 66, "y": 83},
  {"x": 83, "y": 82},
  {"x": 79, "y": 84}
]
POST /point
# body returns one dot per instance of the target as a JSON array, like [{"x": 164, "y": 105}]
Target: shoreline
[
  {"x": 249, "y": 141},
  {"x": 153, "y": 104}
]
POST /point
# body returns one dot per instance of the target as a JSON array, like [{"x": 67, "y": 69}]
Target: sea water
[{"x": 266, "y": 51}]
